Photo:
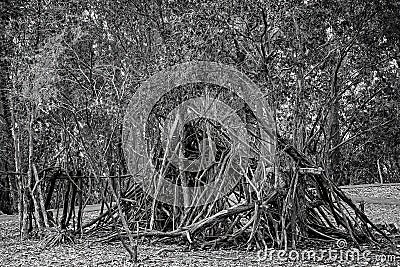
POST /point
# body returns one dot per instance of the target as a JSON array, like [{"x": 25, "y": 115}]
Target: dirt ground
[{"x": 87, "y": 252}]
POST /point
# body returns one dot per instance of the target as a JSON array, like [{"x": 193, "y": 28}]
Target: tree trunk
[
  {"x": 50, "y": 191},
  {"x": 10, "y": 197},
  {"x": 40, "y": 195},
  {"x": 63, "y": 221},
  {"x": 80, "y": 201},
  {"x": 22, "y": 207},
  {"x": 29, "y": 182},
  {"x": 334, "y": 158},
  {"x": 72, "y": 202}
]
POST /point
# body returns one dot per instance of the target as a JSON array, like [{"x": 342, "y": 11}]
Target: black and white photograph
[{"x": 199, "y": 133}]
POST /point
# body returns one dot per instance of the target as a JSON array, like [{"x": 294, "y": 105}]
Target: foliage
[{"x": 330, "y": 71}]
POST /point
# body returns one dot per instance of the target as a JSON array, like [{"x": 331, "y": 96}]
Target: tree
[
  {"x": 8, "y": 187},
  {"x": 328, "y": 69}
]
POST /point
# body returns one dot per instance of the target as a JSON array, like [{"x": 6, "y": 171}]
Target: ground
[{"x": 87, "y": 252}]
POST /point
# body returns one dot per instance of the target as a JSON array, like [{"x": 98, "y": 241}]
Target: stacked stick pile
[
  {"x": 207, "y": 104},
  {"x": 309, "y": 206}
]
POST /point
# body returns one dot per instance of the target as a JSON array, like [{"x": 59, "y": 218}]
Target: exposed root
[
  {"x": 311, "y": 206},
  {"x": 57, "y": 237}
]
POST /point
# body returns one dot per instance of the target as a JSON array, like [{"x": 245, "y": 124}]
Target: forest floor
[{"x": 87, "y": 252}]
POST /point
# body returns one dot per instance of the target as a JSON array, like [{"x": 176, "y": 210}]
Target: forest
[{"x": 328, "y": 71}]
